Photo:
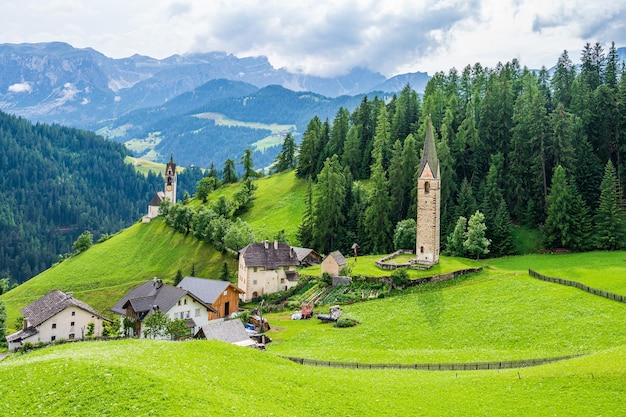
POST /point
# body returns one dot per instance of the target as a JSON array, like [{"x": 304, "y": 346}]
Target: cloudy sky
[{"x": 327, "y": 37}]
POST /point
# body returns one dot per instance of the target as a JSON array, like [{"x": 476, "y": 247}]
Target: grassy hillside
[
  {"x": 106, "y": 271},
  {"x": 279, "y": 205}
]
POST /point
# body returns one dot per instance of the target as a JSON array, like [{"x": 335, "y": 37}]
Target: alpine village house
[{"x": 55, "y": 316}]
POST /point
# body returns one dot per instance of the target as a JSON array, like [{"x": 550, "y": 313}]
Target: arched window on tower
[{"x": 426, "y": 187}]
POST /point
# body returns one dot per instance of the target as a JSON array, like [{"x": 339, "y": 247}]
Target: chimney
[
  {"x": 291, "y": 252},
  {"x": 275, "y": 244},
  {"x": 267, "y": 244},
  {"x": 25, "y": 324},
  {"x": 69, "y": 295}
]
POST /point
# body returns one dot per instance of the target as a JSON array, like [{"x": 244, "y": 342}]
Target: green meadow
[{"x": 101, "y": 275}]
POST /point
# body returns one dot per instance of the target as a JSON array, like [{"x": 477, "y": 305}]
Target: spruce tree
[
  {"x": 377, "y": 224},
  {"x": 502, "y": 234},
  {"x": 328, "y": 214},
  {"x": 475, "y": 241},
  {"x": 610, "y": 218},
  {"x": 286, "y": 158},
  {"x": 454, "y": 246},
  {"x": 557, "y": 228},
  {"x": 305, "y": 229}
]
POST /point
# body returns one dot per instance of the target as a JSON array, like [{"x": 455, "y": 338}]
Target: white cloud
[
  {"x": 326, "y": 36},
  {"x": 20, "y": 88}
]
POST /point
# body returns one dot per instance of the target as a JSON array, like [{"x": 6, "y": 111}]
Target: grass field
[
  {"x": 143, "y": 378},
  {"x": 601, "y": 270},
  {"x": 144, "y": 166},
  {"x": 479, "y": 317},
  {"x": 106, "y": 271},
  {"x": 364, "y": 265}
]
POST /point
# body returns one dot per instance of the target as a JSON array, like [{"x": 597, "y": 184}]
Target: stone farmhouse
[
  {"x": 266, "y": 268},
  {"x": 221, "y": 295},
  {"x": 333, "y": 263},
  {"x": 174, "y": 302},
  {"x": 55, "y": 316}
]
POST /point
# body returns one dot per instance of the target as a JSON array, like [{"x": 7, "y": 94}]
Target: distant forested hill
[{"x": 55, "y": 183}]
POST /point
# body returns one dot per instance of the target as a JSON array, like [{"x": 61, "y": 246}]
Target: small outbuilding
[{"x": 333, "y": 263}]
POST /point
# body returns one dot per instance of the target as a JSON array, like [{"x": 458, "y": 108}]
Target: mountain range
[{"x": 123, "y": 98}]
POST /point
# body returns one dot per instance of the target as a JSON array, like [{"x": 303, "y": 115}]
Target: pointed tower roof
[
  {"x": 430, "y": 151},
  {"x": 171, "y": 165}
]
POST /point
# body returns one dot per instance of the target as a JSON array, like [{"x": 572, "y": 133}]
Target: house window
[
  {"x": 187, "y": 315},
  {"x": 254, "y": 269},
  {"x": 421, "y": 249},
  {"x": 178, "y": 302},
  {"x": 225, "y": 293},
  {"x": 254, "y": 282},
  {"x": 53, "y": 338},
  {"x": 72, "y": 324},
  {"x": 73, "y": 313},
  {"x": 71, "y": 336},
  {"x": 197, "y": 312},
  {"x": 185, "y": 301},
  {"x": 282, "y": 280},
  {"x": 54, "y": 325},
  {"x": 182, "y": 315}
]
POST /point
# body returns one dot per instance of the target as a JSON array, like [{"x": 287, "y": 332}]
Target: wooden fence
[
  {"x": 605, "y": 294},
  {"x": 469, "y": 366}
]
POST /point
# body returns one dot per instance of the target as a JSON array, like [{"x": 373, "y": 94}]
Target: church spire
[{"x": 430, "y": 151}]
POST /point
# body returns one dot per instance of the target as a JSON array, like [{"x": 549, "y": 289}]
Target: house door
[{"x": 226, "y": 308}]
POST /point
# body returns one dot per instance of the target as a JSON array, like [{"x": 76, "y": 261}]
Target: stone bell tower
[
  {"x": 170, "y": 180},
  {"x": 428, "y": 202}
]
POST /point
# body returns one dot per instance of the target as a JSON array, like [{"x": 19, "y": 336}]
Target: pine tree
[
  {"x": 224, "y": 273},
  {"x": 229, "y": 175},
  {"x": 475, "y": 241},
  {"x": 502, "y": 234},
  {"x": 309, "y": 150},
  {"x": 455, "y": 246},
  {"x": 305, "y": 229},
  {"x": 557, "y": 228},
  {"x": 328, "y": 215},
  {"x": 286, "y": 158},
  {"x": 398, "y": 188},
  {"x": 610, "y": 218},
  {"x": 377, "y": 224}
]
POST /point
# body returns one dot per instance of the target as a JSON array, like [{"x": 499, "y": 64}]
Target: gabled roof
[
  {"x": 430, "y": 152},
  {"x": 22, "y": 334},
  {"x": 207, "y": 290},
  {"x": 156, "y": 200},
  {"x": 231, "y": 331},
  {"x": 338, "y": 258},
  {"x": 266, "y": 254},
  {"x": 50, "y": 304},
  {"x": 302, "y": 253},
  {"x": 153, "y": 293}
]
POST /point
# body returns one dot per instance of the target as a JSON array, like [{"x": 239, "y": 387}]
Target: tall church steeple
[
  {"x": 170, "y": 180},
  {"x": 428, "y": 202}
]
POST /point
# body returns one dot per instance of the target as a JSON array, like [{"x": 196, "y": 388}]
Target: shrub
[
  {"x": 27, "y": 346},
  {"x": 344, "y": 322}
]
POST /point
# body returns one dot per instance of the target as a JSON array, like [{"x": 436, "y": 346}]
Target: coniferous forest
[
  {"x": 543, "y": 149},
  {"x": 56, "y": 183}
]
